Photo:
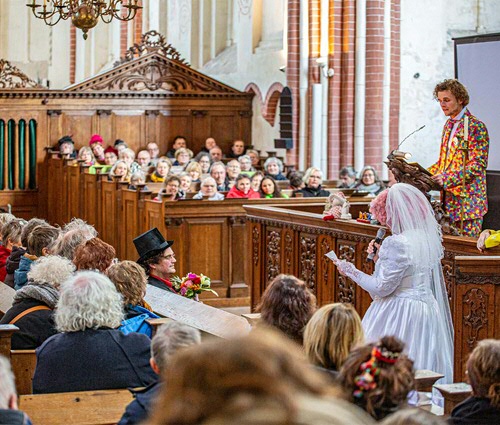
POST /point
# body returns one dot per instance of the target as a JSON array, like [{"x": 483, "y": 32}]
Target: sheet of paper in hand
[{"x": 332, "y": 256}]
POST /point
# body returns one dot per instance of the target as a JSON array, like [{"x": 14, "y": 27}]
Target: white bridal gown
[{"x": 404, "y": 305}]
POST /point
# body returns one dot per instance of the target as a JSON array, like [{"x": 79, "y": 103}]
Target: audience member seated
[
  {"x": 194, "y": 170},
  {"x": 269, "y": 189},
  {"x": 208, "y": 189},
  {"x": 258, "y": 379},
  {"x": 5, "y": 218},
  {"x": 128, "y": 155},
  {"x": 179, "y": 142},
  {"x": 40, "y": 241},
  {"x": 274, "y": 167},
  {"x": 378, "y": 377},
  {"x": 130, "y": 281},
  {"x": 483, "y": 370},
  {"x": 488, "y": 239},
  {"x": 9, "y": 411},
  {"x": 86, "y": 156},
  {"x": 312, "y": 189},
  {"x": 90, "y": 353},
  {"x": 182, "y": 157},
  {"x": 168, "y": 340},
  {"x": 162, "y": 170},
  {"x": 33, "y": 305},
  {"x": 209, "y": 144},
  {"x": 137, "y": 180},
  {"x": 12, "y": 263},
  {"x": 215, "y": 154},
  {"x": 287, "y": 304},
  {"x": 254, "y": 156},
  {"x": 94, "y": 254},
  {"x": 330, "y": 335},
  {"x": 96, "y": 144},
  {"x": 296, "y": 179},
  {"x": 11, "y": 238},
  {"x": 73, "y": 235},
  {"x": 246, "y": 165},
  {"x": 110, "y": 156},
  {"x": 171, "y": 189},
  {"x": 413, "y": 417},
  {"x": 205, "y": 160},
  {"x": 120, "y": 172},
  {"x": 144, "y": 159},
  {"x": 218, "y": 172},
  {"x": 233, "y": 170},
  {"x": 186, "y": 181},
  {"x": 256, "y": 180},
  {"x": 242, "y": 189},
  {"x": 120, "y": 145},
  {"x": 157, "y": 258},
  {"x": 369, "y": 181},
  {"x": 237, "y": 149},
  {"x": 347, "y": 177},
  {"x": 154, "y": 152},
  {"x": 66, "y": 147}
]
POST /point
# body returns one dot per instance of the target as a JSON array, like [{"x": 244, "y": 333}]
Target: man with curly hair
[{"x": 464, "y": 138}]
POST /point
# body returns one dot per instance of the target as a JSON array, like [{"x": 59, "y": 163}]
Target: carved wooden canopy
[
  {"x": 153, "y": 66},
  {"x": 12, "y": 77}
]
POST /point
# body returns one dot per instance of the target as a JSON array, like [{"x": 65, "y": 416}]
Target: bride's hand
[{"x": 371, "y": 247}]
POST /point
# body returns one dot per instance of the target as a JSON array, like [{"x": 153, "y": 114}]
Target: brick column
[
  {"x": 293, "y": 75},
  {"x": 72, "y": 54},
  {"x": 138, "y": 26},
  {"x": 123, "y": 37},
  {"x": 374, "y": 82},
  {"x": 395, "y": 73}
]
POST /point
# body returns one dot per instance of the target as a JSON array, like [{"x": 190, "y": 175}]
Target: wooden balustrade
[{"x": 294, "y": 239}]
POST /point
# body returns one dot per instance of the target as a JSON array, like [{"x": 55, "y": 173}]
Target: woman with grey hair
[
  {"x": 312, "y": 179},
  {"x": 209, "y": 190},
  {"x": 274, "y": 167},
  {"x": 90, "y": 353},
  {"x": 32, "y": 310}
]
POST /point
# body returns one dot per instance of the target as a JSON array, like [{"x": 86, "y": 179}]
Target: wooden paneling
[
  {"x": 130, "y": 127},
  {"x": 171, "y": 124},
  {"x": 78, "y": 125}
]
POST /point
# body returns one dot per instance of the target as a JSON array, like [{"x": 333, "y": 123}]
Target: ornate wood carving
[
  {"x": 173, "y": 221},
  {"x": 288, "y": 252},
  {"x": 475, "y": 314},
  {"x": 54, "y": 112},
  {"x": 273, "y": 258},
  {"x": 325, "y": 261},
  {"x": 152, "y": 41},
  {"x": 448, "y": 278},
  {"x": 346, "y": 289},
  {"x": 469, "y": 279},
  {"x": 255, "y": 244},
  {"x": 104, "y": 112},
  {"x": 308, "y": 261},
  {"x": 237, "y": 220},
  {"x": 12, "y": 77}
]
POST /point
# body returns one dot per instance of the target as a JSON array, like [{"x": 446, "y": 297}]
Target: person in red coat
[
  {"x": 242, "y": 189},
  {"x": 11, "y": 237}
]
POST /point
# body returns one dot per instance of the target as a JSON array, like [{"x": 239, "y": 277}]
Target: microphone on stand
[{"x": 378, "y": 240}]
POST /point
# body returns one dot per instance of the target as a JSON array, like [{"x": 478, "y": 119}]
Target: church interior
[{"x": 249, "y": 211}]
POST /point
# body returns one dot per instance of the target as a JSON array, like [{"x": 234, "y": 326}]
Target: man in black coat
[
  {"x": 157, "y": 258},
  {"x": 169, "y": 338}
]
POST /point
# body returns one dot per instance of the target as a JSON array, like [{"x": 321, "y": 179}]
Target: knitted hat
[
  {"x": 111, "y": 149},
  {"x": 96, "y": 138}
]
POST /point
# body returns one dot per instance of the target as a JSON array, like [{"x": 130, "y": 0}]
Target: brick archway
[{"x": 271, "y": 102}]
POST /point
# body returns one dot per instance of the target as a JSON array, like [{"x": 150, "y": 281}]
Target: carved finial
[
  {"x": 152, "y": 41},
  {"x": 12, "y": 77}
]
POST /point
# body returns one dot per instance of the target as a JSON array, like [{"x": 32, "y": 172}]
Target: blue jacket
[
  {"x": 13, "y": 417},
  {"x": 21, "y": 274},
  {"x": 139, "y": 409},
  {"x": 93, "y": 359}
]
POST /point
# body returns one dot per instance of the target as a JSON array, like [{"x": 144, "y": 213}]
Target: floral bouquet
[{"x": 191, "y": 285}]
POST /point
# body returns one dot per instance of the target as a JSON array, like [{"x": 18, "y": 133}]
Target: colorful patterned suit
[{"x": 450, "y": 164}]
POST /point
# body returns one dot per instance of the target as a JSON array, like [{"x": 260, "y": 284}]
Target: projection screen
[{"x": 477, "y": 65}]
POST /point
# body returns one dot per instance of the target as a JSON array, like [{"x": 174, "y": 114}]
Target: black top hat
[{"x": 150, "y": 243}]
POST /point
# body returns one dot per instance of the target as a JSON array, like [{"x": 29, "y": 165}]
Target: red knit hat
[
  {"x": 96, "y": 138},
  {"x": 111, "y": 149}
]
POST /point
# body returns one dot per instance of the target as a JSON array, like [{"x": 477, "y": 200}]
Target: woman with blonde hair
[
  {"x": 121, "y": 171},
  {"x": 331, "y": 334}
]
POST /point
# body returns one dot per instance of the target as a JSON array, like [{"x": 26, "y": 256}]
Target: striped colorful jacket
[{"x": 451, "y": 166}]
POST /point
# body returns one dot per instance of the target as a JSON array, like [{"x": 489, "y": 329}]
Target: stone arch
[{"x": 271, "y": 102}]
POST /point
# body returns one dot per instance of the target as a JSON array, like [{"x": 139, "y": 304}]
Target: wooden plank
[
  {"x": 6, "y": 297},
  {"x": 425, "y": 379},
  {"x": 23, "y": 365},
  {"x": 454, "y": 394},
  {"x": 200, "y": 316},
  {"x": 76, "y": 408}
]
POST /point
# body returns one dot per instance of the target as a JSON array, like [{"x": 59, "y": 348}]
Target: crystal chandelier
[{"x": 84, "y": 14}]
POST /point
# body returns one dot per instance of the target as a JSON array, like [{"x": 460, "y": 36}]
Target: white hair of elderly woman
[
  {"x": 51, "y": 269},
  {"x": 88, "y": 300},
  {"x": 8, "y": 387}
]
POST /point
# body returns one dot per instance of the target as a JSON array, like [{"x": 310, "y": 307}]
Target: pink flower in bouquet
[
  {"x": 183, "y": 291},
  {"x": 188, "y": 283}
]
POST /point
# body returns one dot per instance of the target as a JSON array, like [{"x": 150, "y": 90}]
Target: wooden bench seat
[
  {"x": 454, "y": 394},
  {"x": 76, "y": 408}
]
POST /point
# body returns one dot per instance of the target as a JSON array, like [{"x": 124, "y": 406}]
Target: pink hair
[{"x": 377, "y": 207}]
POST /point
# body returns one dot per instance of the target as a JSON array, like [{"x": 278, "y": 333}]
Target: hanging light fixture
[{"x": 84, "y": 14}]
